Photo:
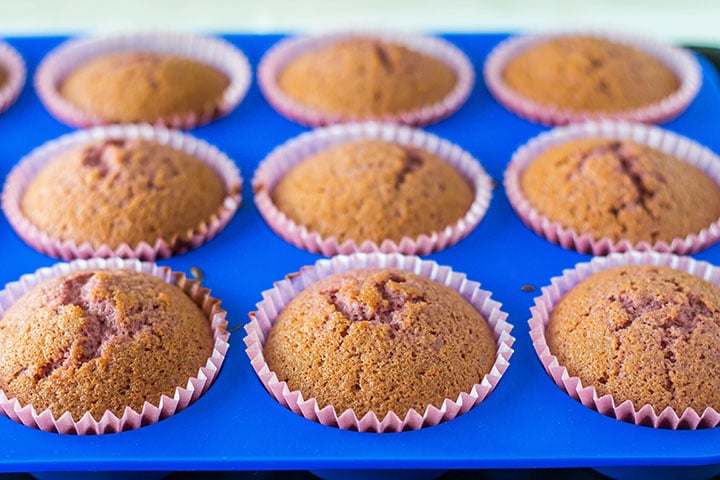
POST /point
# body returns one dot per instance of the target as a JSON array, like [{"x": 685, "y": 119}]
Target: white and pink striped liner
[
  {"x": 14, "y": 66},
  {"x": 681, "y": 147},
  {"x": 73, "y": 53},
  {"x": 21, "y": 175},
  {"x": 275, "y": 299},
  {"x": 275, "y": 60},
  {"x": 151, "y": 412},
  {"x": 286, "y": 156},
  {"x": 586, "y": 394},
  {"x": 681, "y": 62}
]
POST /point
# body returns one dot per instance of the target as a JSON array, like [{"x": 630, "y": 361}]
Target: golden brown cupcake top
[
  {"x": 101, "y": 340},
  {"x": 366, "y": 78},
  {"x": 642, "y": 333},
  {"x": 373, "y": 190},
  {"x": 620, "y": 189},
  {"x": 380, "y": 340},
  {"x": 122, "y": 191},
  {"x": 589, "y": 74},
  {"x": 131, "y": 87}
]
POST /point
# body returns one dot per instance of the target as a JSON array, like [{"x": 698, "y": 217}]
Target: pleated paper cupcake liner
[
  {"x": 276, "y": 299},
  {"x": 586, "y": 394},
  {"x": 211, "y": 51},
  {"x": 275, "y": 60},
  {"x": 681, "y": 147},
  {"x": 151, "y": 412},
  {"x": 284, "y": 157},
  {"x": 682, "y": 63},
  {"x": 21, "y": 175},
  {"x": 14, "y": 66}
]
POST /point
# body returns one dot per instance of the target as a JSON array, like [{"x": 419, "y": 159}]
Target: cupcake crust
[
  {"x": 621, "y": 190},
  {"x": 100, "y": 340},
  {"x": 648, "y": 334},
  {"x": 366, "y": 78},
  {"x": 122, "y": 192},
  {"x": 380, "y": 340},
  {"x": 373, "y": 190},
  {"x": 589, "y": 74},
  {"x": 132, "y": 87}
]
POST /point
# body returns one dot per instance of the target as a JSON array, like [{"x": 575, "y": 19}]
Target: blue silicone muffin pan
[{"x": 526, "y": 422}]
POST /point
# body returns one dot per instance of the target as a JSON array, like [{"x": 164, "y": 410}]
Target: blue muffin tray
[{"x": 526, "y": 422}]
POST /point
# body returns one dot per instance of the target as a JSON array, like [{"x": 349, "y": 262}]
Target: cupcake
[
  {"x": 371, "y": 346},
  {"x": 125, "y": 191},
  {"x": 635, "y": 336},
  {"x": 354, "y": 77},
  {"x": 371, "y": 187},
  {"x": 105, "y": 346},
  {"x": 174, "y": 80},
  {"x": 557, "y": 79},
  {"x": 12, "y": 75},
  {"x": 616, "y": 186}
]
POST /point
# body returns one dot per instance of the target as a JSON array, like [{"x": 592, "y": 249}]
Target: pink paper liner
[
  {"x": 274, "y": 300},
  {"x": 21, "y": 175},
  {"x": 13, "y": 64},
  {"x": 73, "y": 53},
  {"x": 587, "y": 395},
  {"x": 288, "y": 49},
  {"x": 284, "y": 157},
  {"x": 131, "y": 419},
  {"x": 663, "y": 140},
  {"x": 680, "y": 61}
]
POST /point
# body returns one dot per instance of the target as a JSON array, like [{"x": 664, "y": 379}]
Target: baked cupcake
[
  {"x": 174, "y": 80},
  {"x": 353, "y": 77},
  {"x": 371, "y": 187},
  {"x": 556, "y": 79},
  {"x": 641, "y": 330},
  {"x": 12, "y": 75},
  {"x": 374, "y": 345},
  {"x": 128, "y": 191},
  {"x": 609, "y": 187},
  {"x": 106, "y": 346}
]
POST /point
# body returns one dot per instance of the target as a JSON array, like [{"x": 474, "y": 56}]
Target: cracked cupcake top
[
  {"x": 366, "y": 78},
  {"x": 101, "y": 340},
  {"x": 621, "y": 190},
  {"x": 132, "y": 87},
  {"x": 373, "y": 190},
  {"x": 643, "y": 333},
  {"x": 123, "y": 191},
  {"x": 381, "y": 340},
  {"x": 588, "y": 74}
]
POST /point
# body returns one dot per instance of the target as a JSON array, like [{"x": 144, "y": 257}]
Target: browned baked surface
[
  {"x": 621, "y": 190},
  {"x": 131, "y": 87},
  {"x": 122, "y": 191},
  {"x": 588, "y": 74},
  {"x": 373, "y": 190},
  {"x": 365, "y": 77},
  {"x": 381, "y": 340},
  {"x": 3, "y": 76},
  {"x": 642, "y": 333},
  {"x": 101, "y": 340}
]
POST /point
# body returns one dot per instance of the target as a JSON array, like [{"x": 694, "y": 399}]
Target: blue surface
[{"x": 526, "y": 422}]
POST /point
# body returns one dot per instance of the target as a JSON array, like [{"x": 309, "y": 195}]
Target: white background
[{"x": 679, "y": 21}]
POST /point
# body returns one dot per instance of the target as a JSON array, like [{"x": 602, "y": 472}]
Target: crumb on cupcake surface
[
  {"x": 642, "y": 333},
  {"x": 589, "y": 74},
  {"x": 621, "y": 190},
  {"x": 380, "y": 340},
  {"x": 131, "y": 87},
  {"x": 122, "y": 191},
  {"x": 92, "y": 341},
  {"x": 373, "y": 190},
  {"x": 365, "y": 78}
]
